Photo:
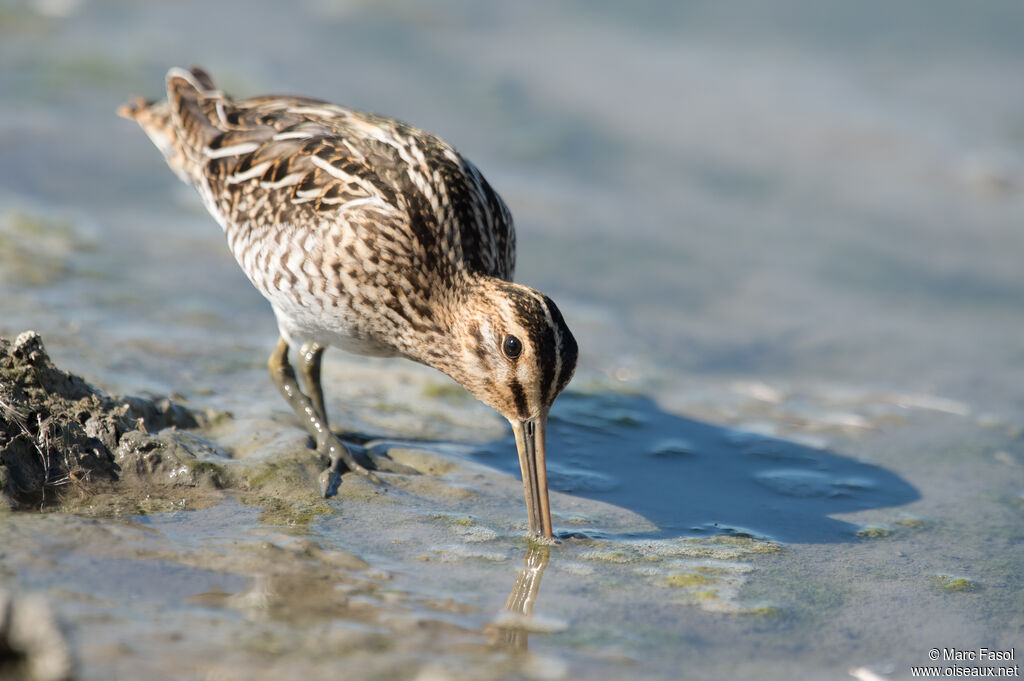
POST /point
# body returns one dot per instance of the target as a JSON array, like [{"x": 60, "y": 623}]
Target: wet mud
[
  {"x": 210, "y": 529},
  {"x": 61, "y": 439},
  {"x": 151, "y": 508}
]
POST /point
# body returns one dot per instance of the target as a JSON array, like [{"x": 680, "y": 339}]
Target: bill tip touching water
[{"x": 376, "y": 237}]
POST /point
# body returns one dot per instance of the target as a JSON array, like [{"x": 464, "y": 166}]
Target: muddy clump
[{"x": 58, "y": 434}]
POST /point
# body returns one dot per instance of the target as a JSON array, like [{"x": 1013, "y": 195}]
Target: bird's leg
[
  {"x": 326, "y": 443},
  {"x": 310, "y": 355}
]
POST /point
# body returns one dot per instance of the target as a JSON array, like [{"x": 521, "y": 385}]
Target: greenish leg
[
  {"x": 310, "y": 355},
  {"x": 326, "y": 443}
]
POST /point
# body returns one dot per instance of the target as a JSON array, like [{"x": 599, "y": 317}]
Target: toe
[{"x": 329, "y": 481}]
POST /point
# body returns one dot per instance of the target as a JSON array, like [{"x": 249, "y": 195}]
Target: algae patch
[
  {"x": 283, "y": 487},
  {"x": 912, "y": 522},
  {"x": 874, "y": 532},
  {"x": 688, "y": 580},
  {"x": 295, "y": 514},
  {"x": 954, "y": 583},
  {"x": 707, "y": 572}
]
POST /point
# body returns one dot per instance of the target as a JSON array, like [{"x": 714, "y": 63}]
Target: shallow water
[{"x": 786, "y": 238}]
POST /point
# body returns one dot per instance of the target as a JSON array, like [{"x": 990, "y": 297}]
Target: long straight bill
[{"x": 530, "y": 443}]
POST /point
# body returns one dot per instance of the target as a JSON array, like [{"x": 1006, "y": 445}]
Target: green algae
[
  {"x": 749, "y": 544},
  {"x": 912, "y": 522},
  {"x": 277, "y": 472},
  {"x": 215, "y": 474},
  {"x": 293, "y": 473},
  {"x": 688, "y": 580},
  {"x": 466, "y": 527},
  {"x": 723, "y": 547},
  {"x": 284, "y": 487},
  {"x": 716, "y": 548},
  {"x": 456, "y": 519},
  {"x": 293, "y": 514},
  {"x": 763, "y": 610},
  {"x": 708, "y": 570},
  {"x": 954, "y": 583},
  {"x": 874, "y": 532},
  {"x": 609, "y": 556},
  {"x": 716, "y": 589},
  {"x": 708, "y": 573}
]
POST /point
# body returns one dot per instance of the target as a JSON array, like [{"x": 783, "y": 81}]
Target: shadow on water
[
  {"x": 694, "y": 478},
  {"x": 686, "y": 477}
]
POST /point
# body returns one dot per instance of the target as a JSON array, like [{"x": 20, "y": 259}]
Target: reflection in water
[{"x": 512, "y": 631}]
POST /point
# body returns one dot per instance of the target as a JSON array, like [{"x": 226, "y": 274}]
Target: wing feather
[{"x": 301, "y": 161}]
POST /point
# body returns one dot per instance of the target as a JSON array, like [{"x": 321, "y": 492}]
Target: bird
[{"x": 373, "y": 236}]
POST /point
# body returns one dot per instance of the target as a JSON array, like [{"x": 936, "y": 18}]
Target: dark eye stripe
[
  {"x": 567, "y": 349},
  {"x": 547, "y": 342},
  {"x": 519, "y": 395},
  {"x": 551, "y": 340}
]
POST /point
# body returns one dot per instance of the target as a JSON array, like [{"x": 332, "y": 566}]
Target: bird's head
[{"x": 515, "y": 353}]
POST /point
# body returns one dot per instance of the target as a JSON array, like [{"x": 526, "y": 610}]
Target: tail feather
[
  {"x": 203, "y": 78},
  {"x": 183, "y": 124},
  {"x": 194, "y": 106}
]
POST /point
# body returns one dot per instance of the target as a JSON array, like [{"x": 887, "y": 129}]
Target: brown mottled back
[{"x": 297, "y": 160}]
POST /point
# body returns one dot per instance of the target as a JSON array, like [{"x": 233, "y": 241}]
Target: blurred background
[
  {"x": 789, "y": 191},
  {"x": 799, "y": 219}
]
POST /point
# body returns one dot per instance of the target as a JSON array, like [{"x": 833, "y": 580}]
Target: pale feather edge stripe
[
  {"x": 233, "y": 150},
  {"x": 256, "y": 170}
]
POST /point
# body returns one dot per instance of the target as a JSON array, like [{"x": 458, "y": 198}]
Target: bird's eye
[{"x": 512, "y": 347}]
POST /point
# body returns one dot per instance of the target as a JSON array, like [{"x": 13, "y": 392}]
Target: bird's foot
[
  {"x": 329, "y": 482},
  {"x": 341, "y": 459},
  {"x": 346, "y": 457}
]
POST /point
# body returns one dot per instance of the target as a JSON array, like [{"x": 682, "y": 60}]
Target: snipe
[{"x": 375, "y": 237}]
